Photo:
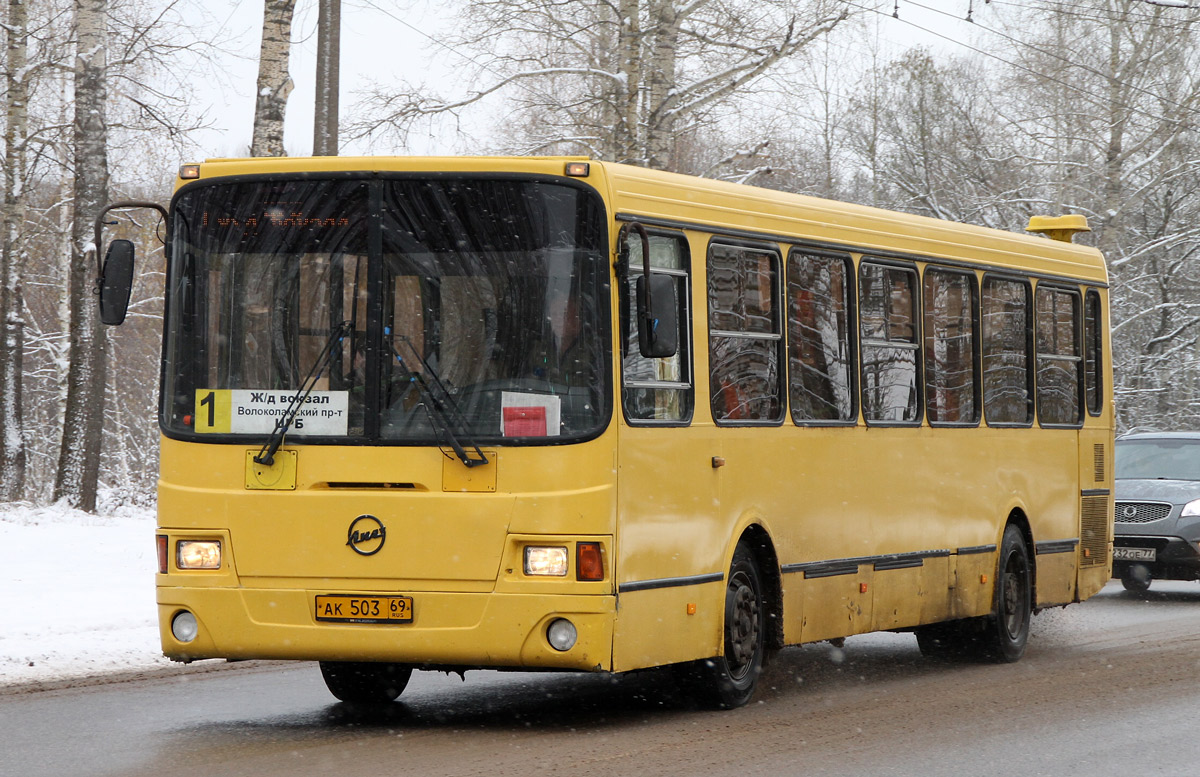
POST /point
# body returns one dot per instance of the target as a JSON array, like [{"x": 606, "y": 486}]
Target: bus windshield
[{"x": 459, "y": 306}]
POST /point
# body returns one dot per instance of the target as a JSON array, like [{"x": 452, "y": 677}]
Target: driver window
[{"x": 656, "y": 390}]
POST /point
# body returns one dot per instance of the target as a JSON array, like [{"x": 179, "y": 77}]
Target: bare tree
[
  {"x": 83, "y": 417},
  {"x": 12, "y": 433},
  {"x": 274, "y": 83},
  {"x": 619, "y": 80},
  {"x": 927, "y": 130},
  {"x": 1111, "y": 102}
]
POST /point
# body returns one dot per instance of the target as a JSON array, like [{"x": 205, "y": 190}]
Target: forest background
[{"x": 981, "y": 112}]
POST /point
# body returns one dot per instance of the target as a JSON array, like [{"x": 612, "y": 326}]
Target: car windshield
[
  {"x": 1160, "y": 459},
  {"x": 409, "y": 308}
]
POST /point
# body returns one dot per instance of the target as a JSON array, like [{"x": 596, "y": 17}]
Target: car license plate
[
  {"x": 1133, "y": 554},
  {"x": 352, "y": 608}
]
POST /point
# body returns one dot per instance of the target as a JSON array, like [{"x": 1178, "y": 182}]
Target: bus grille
[
  {"x": 1098, "y": 462},
  {"x": 1141, "y": 512},
  {"x": 1093, "y": 531}
]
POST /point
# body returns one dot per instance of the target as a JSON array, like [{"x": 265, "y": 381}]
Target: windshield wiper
[
  {"x": 443, "y": 410},
  {"x": 266, "y": 456}
]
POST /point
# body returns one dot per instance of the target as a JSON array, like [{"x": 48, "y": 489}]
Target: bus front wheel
[
  {"x": 728, "y": 680},
  {"x": 363, "y": 682}
]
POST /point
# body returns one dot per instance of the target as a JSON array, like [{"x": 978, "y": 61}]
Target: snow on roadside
[{"x": 76, "y": 593}]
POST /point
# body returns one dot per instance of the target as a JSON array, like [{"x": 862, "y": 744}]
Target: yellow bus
[{"x": 554, "y": 413}]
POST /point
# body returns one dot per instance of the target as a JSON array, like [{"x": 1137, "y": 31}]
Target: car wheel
[{"x": 1136, "y": 578}]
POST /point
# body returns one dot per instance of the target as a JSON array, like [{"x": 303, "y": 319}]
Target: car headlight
[
  {"x": 1191, "y": 508},
  {"x": 198, "y": 554}
]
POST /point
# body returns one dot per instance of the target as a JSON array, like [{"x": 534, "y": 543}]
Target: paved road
[{"x": 1109, "y": 687}]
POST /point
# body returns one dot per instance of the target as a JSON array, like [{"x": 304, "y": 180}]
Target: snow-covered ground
[{"x": 76, "y": 594}]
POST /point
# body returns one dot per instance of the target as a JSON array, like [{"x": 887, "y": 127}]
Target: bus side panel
[
  {"x": 911, "y": 596},
  {"x": 1096, "y": 478},
  {"x": 668, "y": 625},
  {"x": 836, "y": 607},
  {"x": 971, "y": 580},
  {"x": 670, "y": 548},
  {"x": 1050, "y": 488}
]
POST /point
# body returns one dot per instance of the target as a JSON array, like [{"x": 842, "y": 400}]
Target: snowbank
[{"x": 76, "y": 594}]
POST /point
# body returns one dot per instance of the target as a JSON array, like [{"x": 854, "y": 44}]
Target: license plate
[
  {"x": 352, "y": 608},
  {"x": 1134, "y": 554}
]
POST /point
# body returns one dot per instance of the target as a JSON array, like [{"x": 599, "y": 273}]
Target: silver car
[{"x": 1157, "y": 498}]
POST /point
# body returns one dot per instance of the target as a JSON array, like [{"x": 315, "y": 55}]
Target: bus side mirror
[
  {"x": 658, "y": 336},
  {"x": 116, "y": 281}
]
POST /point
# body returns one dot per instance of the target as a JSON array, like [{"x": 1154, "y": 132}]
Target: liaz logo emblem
[{"x": 366, "y": 535}]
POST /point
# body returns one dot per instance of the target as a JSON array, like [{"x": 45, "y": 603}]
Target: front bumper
[
  {"x": 1174, "y": 559},
  {"x": 467, "y": 630}
]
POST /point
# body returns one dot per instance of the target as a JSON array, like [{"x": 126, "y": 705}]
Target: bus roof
[
  {"x": 653, "y": 196},
  {"x": 667, "y": 199}
]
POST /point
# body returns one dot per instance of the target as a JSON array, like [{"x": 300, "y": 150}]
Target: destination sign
[{"x": 246, "y": 411}]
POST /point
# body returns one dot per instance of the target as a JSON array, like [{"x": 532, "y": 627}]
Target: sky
[{"x": 388, "y": 41}]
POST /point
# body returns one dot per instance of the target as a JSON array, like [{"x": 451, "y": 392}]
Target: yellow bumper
[{"x": 448, "y": 629}]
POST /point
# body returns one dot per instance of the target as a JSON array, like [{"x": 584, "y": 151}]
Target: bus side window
[
  {"x": 1093, "y": 346},
  {"x": 820, "y": 359},
  {"x": 951, "y": 347},
  {"x": 1007, "y": 377},
  {"x": 745, "y": 335},
  {"x": 1058, "y": 361},
  {"x": 887, "y": 302},
  {"x": 657, "y": 390}
]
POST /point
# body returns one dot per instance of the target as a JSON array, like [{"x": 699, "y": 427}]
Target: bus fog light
[
  {"x": 562, "y": 635},
  {"x": 543, "y": 560},
  {"x": 196, "y": 554},
  {"x": 184, "y": 627}
]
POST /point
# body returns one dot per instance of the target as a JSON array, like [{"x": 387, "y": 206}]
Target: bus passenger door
[{"x": 670, "y": 564}]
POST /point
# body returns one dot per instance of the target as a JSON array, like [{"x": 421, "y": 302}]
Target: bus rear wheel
[
  {"x": 1000, "y": 637},
  {"x": 362, "y": 682},
  {"x": 728, "y": 680},
  {"x": 1006, "y": 632}
]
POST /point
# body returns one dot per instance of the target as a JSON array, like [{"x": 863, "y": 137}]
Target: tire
[
  {"x": 1006, "y": 632},
  {"x": 1136, "y": 578},
  {"x": 729, "y": 680},
  {"x": 365, "y": 682}
]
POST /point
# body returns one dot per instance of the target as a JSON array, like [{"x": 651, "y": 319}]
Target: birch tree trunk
[
  {"x": 274, "y": 83},
  {"x": 662, "y": 83},
  {"x": 83, "y": 417},
  {"x": 325, "y": 113},
  {"x": 12, "y": 433}
]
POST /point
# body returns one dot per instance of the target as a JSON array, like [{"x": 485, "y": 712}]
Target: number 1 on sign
[{"x": 213, "y": 411}]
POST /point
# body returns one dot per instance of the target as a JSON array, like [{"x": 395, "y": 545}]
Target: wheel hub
[{"x": 743, "y": 627}]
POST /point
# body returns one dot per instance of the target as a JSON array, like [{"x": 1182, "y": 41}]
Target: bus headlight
[
  {"x": 198, "y": 554},
  {"x": 550, "y": 561}
]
